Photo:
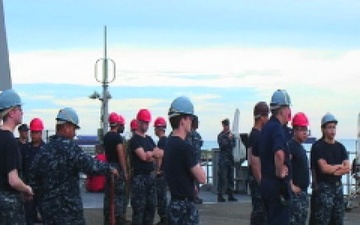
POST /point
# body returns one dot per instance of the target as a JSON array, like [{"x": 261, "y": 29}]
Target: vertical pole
[
  {"x": 105, "y": 93},
  {"x": 5, "y": 78}
]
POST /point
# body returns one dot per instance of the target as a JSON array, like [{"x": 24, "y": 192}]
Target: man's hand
[
  {"x": 115, "y": 172},
  {"x": 283, "y": 172},
  {"x": 295, "y": 189}
]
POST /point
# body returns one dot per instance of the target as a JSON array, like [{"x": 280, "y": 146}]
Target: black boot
[
  {"x": 231, "y": 198},
  {"x": 220, "y": 198}
]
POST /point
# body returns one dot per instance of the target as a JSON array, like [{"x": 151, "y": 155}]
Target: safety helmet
[
  {"x": 160, "y": 122},
  {"x": 280, "y": 98},
  {"x": 68, "y": 115},
  {"x": 181, "y": 105},
  {"x": 261, "y": 109},
  {"x": 133, "y": 124},
  {"x": 144, "y": 115},
  {"x": 9, "y": 98},
  {"x": 300, "y": 120},
  {"x": 113, "y": 119},
  {"x": 328, "y": 118},
  {"x": 36, "y": 124},
  {"x": 121, "y": 120}
]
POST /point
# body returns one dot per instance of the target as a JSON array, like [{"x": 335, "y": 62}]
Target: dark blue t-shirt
[
  {"x": 300, "y": 165},
  {"x": 272, "y": 139},
  {"x": 148, "y": 144},
  {"x": 10, "y": 158},
  {"x": 161, "y": 144},
  {"x": 179, "y": 158},
  {"x": 111, "y": 141},
  {"x": 254, "y": 138},
  {"x": 332, "y": 153}
]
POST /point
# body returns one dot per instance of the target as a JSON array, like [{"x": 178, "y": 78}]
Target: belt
[
  {"x": 189, "y": 199},
  {"x": 335, "y": 183},
  {"x": 142, "y": 172}
]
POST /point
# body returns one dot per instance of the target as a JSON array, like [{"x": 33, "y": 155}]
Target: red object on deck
[{"x": 96, "y": 183}]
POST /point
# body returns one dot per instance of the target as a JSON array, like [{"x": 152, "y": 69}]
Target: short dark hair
[{"x": 175, "y": 120}]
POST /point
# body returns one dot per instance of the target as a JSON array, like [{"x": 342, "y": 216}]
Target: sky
[{"x": 222, "y": 54}]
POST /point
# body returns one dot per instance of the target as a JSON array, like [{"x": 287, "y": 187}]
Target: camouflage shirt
[
  {"x": 196, "y": 141},
  {"x": 54, "y": 175},
  {"x": 226, "y": 145}
]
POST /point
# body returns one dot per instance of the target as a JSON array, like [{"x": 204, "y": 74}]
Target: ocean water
[{"x": 350, "y": 145}]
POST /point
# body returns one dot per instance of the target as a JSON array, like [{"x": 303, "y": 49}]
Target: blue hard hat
[
  {"x": 9, "y": 98},
  {"x": 181, "y": 105},
  {"x": 68, "y": 115},
  {"x": 280, "y": 98},
  {"x": 328, "y": 118}
]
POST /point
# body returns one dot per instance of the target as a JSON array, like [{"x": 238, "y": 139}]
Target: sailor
[
  {"x": 226, "y": 141},
  {"x": 275, "y": 161},
  {"x": 195, "y": 139},
  {"x": 11, "y": 186},
  {"x": 300, "y": 171},
  {"x": 143, "y": 154},
  {"x": 115, "y": 155},
  {"x": 330, "y": 162},
  {"x": 181, "y": 166},
  {"x": 161, "y": 184},
  {"x": 28, "y": 153},
  {"x": 261, "y": 116},
  {"x": 56, "y": 170},
  {"x": 23, "y": 138}
]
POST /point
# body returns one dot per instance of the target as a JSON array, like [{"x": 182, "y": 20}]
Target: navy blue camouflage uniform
[
  {"x": 143, "y": 189},
  {"x": 329, "y": 199},
  {"x": 301, "y": 178},
  {"x": 195, "y": 139},
  {"x": 55, "y": 175},
  {"x": 226, "y": 161},
  {"x": 258, "y": 213}
]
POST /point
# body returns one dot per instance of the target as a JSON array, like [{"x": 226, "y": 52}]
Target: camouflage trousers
[
  {"x": 312, "y": 206},
  {"x": 11, "y": 209},
  {"x": 162, "y": 201},
  {"x": 183, "y": 212},
  {"x": 225, "y": 172},
  {"x": 299, "y": 208},
  {"x": 119, "y": 199},
  {"x": 258, "y": 213},
  {"x": 143, "y": 198},
  {"x": 329, "y": 204}
]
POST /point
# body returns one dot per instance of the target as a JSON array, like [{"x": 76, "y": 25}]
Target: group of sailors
[{"x": 46, "y": 176}]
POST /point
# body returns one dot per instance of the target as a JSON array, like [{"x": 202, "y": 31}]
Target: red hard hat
[
  {"x": 300, "y": 120},
  {"x": 133, "y": 124},
  {"x": 160, "y": 122},
  {"x": 36, "y": 124},
  {"x": 121, "y": 120},
  {"x": 113, "y": 118},
  {"x": 144, "y": 115}
]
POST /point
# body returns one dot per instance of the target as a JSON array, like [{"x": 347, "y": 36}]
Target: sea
[{"x": 350, "y": 145}]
